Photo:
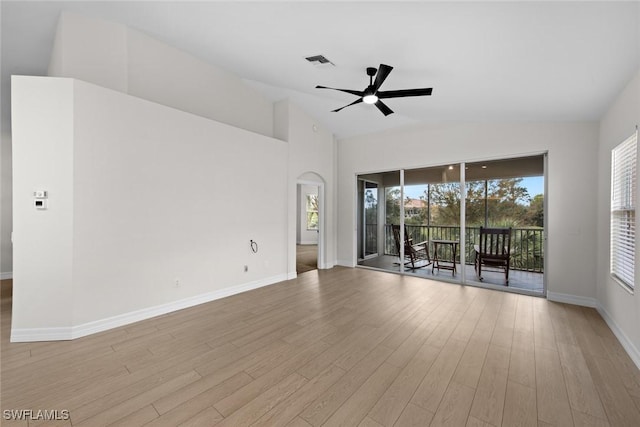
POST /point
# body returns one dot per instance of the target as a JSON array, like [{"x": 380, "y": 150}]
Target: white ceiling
[{"x": 487, "y": 61}]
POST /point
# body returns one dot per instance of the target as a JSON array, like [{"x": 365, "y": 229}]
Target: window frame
[{"x": 622, "y": 219}]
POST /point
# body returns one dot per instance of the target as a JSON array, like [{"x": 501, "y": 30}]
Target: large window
[{"x": 623, "y": 210}]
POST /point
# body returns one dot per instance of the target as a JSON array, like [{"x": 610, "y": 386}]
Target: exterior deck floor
[{"x": 521, "y": 280}]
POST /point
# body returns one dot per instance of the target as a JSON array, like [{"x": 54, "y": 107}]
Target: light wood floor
[
  {"x": 306, "y": 258},
  {"x": 350, "y": 347}
]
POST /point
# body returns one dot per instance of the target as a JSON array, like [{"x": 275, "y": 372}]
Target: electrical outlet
[
  {"x": 177, "y": 283},
  {"x": 246, "y": 268}
]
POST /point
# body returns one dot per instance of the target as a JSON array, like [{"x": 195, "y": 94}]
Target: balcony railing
[
  {"x": 526, "y": 243},
  {"x": 371, "y": 239}
]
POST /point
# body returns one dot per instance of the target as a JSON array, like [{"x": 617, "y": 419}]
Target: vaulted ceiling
[{"x": 487, "y": 61}]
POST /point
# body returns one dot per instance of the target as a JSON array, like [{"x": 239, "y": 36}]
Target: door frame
[
  {"x": 321, "y": 218},
  {"x": 363, "y": 215}
]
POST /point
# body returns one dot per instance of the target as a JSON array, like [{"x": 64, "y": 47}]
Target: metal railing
[
  {"x": 371, "y": 239},
  {"x": 527, "y": 244}
]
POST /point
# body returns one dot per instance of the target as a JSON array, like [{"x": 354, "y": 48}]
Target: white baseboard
[
  {"x": 631, "y": 349},
  {"x": 307, "y": 242},
  {"x": 345, "y": 263},
  {"x": 572, "y": 299},
  {"x": 72, "y": 332},
  {"x": 6, "y": 275},
  {"x": 292, "y": 275}
]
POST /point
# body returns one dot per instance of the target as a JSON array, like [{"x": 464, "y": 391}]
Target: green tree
[
  {"x": 392, "y": 205},
  {"x": 446, "y": 199},
  {"x": 507, "y": 201},
  {"x": 475, "y": 204},
  {"x": 535, "y": 213}
]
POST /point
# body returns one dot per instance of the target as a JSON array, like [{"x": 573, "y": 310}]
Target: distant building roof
[{"x": 415, "y": 203}]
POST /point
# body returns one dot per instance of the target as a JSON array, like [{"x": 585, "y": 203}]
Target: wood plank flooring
[{"x": 340, "y": 347}]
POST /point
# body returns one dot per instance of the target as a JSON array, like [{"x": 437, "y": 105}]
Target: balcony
[{"x": 527, "y": 254}]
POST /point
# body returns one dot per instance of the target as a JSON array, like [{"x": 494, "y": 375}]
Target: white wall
[
  {"x": 304, "y": 236},
  {"x": 572, "y": 149},
  {"x": 117, "y": 57},
  {"x": 91, "y": 49},
  {"x": 43, "y": 126},
  {"x": 617, "y": 305},
  {"x": 6, "y": 220},
  {"x": 311, "y": 157},
  {"x": 150, "y": 197}
]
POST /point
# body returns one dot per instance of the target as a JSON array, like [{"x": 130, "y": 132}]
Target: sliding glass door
[
  {"x": 416, "y": 222},
  {"x": 507, "y": 194}
]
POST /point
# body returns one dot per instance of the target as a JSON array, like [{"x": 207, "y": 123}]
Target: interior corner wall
[
  {"x": 618, "y": 306},
  {"x": 55, "y": 61},
  {"x": 572, "y": 150},
  {"x": 120, "y": 58},
  {"x": 42, "y": 131},
  {"x": 158, "y": 216}
]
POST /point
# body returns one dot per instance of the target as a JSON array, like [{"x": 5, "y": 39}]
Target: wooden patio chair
[
  {"x": 494, "y": 251},
  {"x": 415, "y": 255}
]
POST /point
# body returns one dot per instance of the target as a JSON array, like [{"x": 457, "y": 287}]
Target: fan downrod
[{"x": 371, "y": 71}]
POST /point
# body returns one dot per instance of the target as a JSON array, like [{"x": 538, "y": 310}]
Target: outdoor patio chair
[
  {"x": 415, "y": 255},
  {"x": 493, "y": 251}
]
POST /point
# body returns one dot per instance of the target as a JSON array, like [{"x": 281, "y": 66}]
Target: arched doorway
[{"x": 310, "y": 222}]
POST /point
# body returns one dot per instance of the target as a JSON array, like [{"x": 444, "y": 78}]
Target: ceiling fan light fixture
[
  {"x": 373, "y": 96},
  {"x": 370, "y": 99}
]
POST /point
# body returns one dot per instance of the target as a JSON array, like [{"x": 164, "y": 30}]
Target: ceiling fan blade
[
  {"x": 383, "y": 108},
  {"x": 404, "y": 92},
  {"x": 383, "y": 72},
  {"x": 352, "y": 92},
  {"x": 357, "y": 101}
]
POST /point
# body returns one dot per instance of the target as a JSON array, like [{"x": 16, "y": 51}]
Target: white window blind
[{"x": 623, "y": 210}]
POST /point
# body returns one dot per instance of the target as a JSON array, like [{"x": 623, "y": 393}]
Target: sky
[{"x": 534, "y": 184}]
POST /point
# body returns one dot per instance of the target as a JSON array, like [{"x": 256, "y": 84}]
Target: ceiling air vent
[{"x": 319, "y": 60}]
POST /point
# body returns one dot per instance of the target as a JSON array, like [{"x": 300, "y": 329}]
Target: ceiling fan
[{"x": 371, "y": 95}]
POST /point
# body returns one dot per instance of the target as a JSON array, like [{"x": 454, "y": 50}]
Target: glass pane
[
  {"x": 445, "y": 223},
  {"x": 432, "y": 220},
  {"x": 378, "y": 208},
  {"x": 371, "y": 218}
]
